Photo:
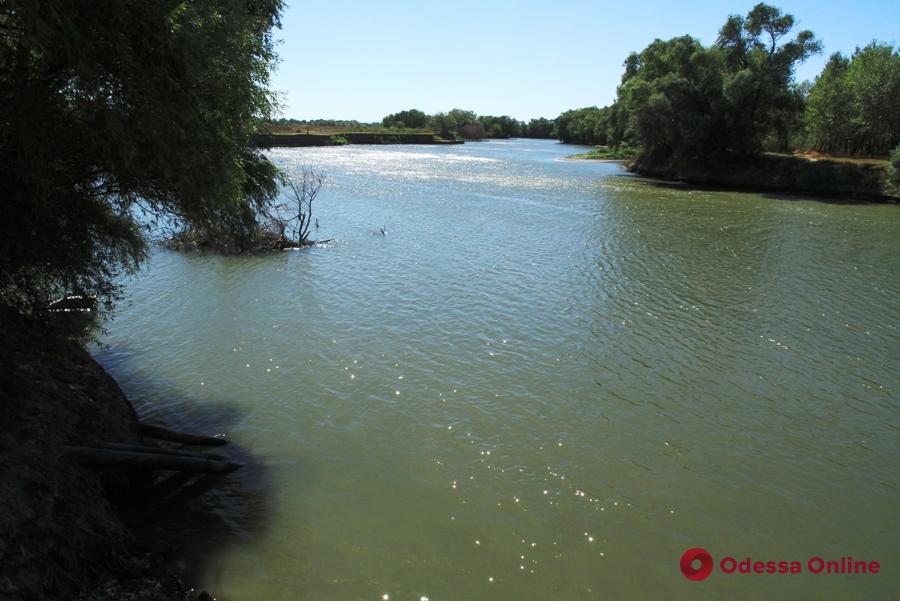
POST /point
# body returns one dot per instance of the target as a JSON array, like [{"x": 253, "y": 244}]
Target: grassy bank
[
  {"x": 605, "y": 153},
  {"x": 857, "y": 179}
]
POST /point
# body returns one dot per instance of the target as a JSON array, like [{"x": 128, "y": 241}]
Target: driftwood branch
[
  {"x": 139, "y": 448},
  {"x": 158, "y": 461},
  {"x": 160, "y": 433}
]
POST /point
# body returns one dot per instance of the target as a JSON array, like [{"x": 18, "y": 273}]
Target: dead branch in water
[
  {"x": 140, "y": 448},
  {"x": 303, "y": 190},
  {"x": 161, "y": 433}
]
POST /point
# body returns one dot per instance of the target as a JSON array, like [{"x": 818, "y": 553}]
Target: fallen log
[
  {"x": 161, "y": 433},
  {"x": 155, "y": 461},
  {"x": 140, "y": 448}
]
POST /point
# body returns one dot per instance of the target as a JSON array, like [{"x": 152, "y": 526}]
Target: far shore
[
  {"x": 606, "y": 153},
  {"x": 587, "y": 159},
  {"x": 824, "y": 177}
]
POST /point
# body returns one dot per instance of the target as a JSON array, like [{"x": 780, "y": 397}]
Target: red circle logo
[{"x": 691, "y": 557}]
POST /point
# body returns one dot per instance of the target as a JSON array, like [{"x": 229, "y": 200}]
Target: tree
[
  {"x": 583, "y": 126},
  {"x": 462, "y": 123},
  {"x": 758, "y": 76},
  {"x": 445, "y": 124},
  {"x": 118, "y": 106},
  {"x": 472, "y": 131},
  {"x": 463, "y": 117},
  {"x": 454, "y": 122},
  {"x": 683, "y": 102},
  {"x": 539, "y": 128},
  {"x": 501, "y": 127},
  {"x": 829, "y": 108},
  {"x": 410, "y": 118},
  {"x": 854, "y": 105}
]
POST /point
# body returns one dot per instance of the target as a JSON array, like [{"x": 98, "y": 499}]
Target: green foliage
[
  {"x": 683, "y": 102},
  {"x": 463, "y": 117},
  {"x": 413, "y": 118},
  {"x": 605, "y": 153},
  {"x": 466, "y": 124},
  {"x": 671, "y": 94},
  {"x": 854, "y": 105},
  {"x": 456, "y": 123},
  {"x": 450, "y": 125},
  {"x": 539, "y": 128},
  {"x": 584, "y": 126},
  {"x": 444, "y": 125},
  {"x": 501, "y": 127},
  {"x": 339, "y": 140},
  {"x": 114, "y": 107}
]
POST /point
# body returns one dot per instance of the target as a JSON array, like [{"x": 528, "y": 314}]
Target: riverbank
[
  {"x": 65, "y": 527},
  {"x": 339, "y": 139},
  {"x": 863, "y": 180},
  {"x": 604, "y": 153},
  {"x": 593, "y": 160}
]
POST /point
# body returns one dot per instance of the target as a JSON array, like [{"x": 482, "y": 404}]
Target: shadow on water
[
  {"x": 836, "y": 199},
  {"x": 190, "y": 520}
]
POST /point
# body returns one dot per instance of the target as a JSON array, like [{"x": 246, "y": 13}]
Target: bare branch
[{"x": 303, "y": 190}]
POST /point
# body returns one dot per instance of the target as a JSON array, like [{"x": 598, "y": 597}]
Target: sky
[{"x": 362, "y": 60}]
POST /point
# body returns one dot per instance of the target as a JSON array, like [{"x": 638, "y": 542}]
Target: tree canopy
[
  {"x": 503, "y": 126},
  {"x": 682, "y": 101},
  {"x": 854, "y": 105},
  {"x": 538, "y": 128},
  {"x": 469, "y": 125},
  {"x": 587, "y": 125},
  {"x": 409, "y": 118},
  {"x": 114, "y": 106}
]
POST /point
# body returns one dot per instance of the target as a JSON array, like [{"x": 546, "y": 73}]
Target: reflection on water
[{"x": 546, "y": 381}]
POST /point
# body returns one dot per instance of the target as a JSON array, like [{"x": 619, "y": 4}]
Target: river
[{"x": 545, "y": 379}]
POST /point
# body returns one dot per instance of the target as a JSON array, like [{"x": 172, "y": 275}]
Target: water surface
[{"x": 545, "y": 381}]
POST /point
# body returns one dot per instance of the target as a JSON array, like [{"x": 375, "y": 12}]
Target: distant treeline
[
  {"x": 682, "y": 102},
  {"x": 471, "y": 126},
  {"x": 349, "y": 125},
  {"x": 454, "y": 124}
]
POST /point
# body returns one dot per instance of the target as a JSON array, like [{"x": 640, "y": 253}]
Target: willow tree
[
  {"x": 116, "y": 110},
  {"x": 685, "y": 103}
]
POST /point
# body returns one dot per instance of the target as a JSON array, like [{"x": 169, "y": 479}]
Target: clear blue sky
[{"x": 361, "y": 60}]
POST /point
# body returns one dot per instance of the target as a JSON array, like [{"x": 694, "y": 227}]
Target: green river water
[{"x": 547, "y": 380}]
